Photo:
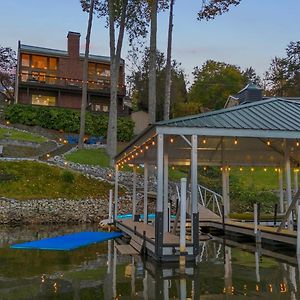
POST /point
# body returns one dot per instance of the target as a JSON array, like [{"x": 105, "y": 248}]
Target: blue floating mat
[{"x": 69, "y": 241}]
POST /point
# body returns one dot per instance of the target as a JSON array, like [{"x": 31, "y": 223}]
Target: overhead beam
[{"x": 228, "y": 132}]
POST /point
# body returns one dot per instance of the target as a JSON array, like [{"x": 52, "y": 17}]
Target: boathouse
[{"x": 259, "y": 134}]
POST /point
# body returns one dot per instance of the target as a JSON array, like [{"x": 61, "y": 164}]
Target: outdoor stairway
[{"x": 133, "y": 248}]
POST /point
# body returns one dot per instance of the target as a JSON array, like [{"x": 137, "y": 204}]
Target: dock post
[
  {"x": 281, "y": 194},
  {"x": 288, "y": 183},
  {"x": 110, "y": 219},
  {"x": 169, "y": 216},
  {"x": 256, "y": 230},
  {"x": 134, "y": 215},
  {"x": 275, "y": 214},
  {"x": 194, "y": 195},
  {"x": 146, "y": 192},
  {"x": 182, "y": 223},
  {"x": 159, "y": 216},
  {"x": 116, "y": 190},
  {"x": 296, "y": 184},
  {"x": 298, "y": 231},
  {"x": 166, "y": 191}
]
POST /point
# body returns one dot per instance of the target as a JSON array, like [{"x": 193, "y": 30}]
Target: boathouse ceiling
[{"x": 255, "y": 134}]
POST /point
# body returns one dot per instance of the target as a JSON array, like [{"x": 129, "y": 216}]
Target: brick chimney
[{"x": 73, "y": 44}]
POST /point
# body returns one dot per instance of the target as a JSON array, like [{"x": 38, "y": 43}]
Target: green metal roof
[
  {"x": 56, "y": 52},
  {"x": 272, "y": 114}
]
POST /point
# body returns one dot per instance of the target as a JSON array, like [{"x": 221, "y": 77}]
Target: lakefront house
[{"x": 51, "y": 77}]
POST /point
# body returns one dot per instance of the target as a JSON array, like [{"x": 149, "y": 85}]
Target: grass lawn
[
  {"x": 99, "y": 157},
  {"x": 259, "y": 179},
  {"x": 13, "y": 134},
  {"x": 32, "y": 180},
  {"x": 96, "y": 157}
]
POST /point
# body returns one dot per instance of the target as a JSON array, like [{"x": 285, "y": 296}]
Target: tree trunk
[
  {"x": 168, "y": 66},
  {"x": 85, "y": 77},
  {"x": 115, "y": 57},
  {"x": 152, "y": 64}
]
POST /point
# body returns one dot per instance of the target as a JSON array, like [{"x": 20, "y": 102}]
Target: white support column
[
  {"x": 288, "y": 183},
  {"x": 159, "y": 222},
  {"x": 194, "y": 194},
  {"x": 110, "y": 207},
  {"x": 296, "y": 184},
  {"x": 225, "y": 190},
  {"x": 182, "y": 237},
  {"x": 134, "y": 194},
  {"x": 281, "y": 194},
  {"x": 298, "y": 231},
  {"x": 116, "y": 190},
  {"x": 146, "y": 192},
  {"x": 166, "y": 190}
]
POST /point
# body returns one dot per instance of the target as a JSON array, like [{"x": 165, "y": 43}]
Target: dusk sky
[{"x": 251, "y": 34}]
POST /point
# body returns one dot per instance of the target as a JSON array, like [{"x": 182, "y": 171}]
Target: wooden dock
[
  {"x": 267, "y": 233},
  {"x": 144, "y": 237}
]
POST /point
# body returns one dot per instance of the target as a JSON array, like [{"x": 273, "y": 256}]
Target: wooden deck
[{"x": 267, "y": 233}]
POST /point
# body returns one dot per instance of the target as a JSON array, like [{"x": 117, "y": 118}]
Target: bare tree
[
  {"x": 168, "y": 65},
  {"x": 7, "y": 73},
  {"x": 85, "y": 76},
  {"x": 115, "y": 57},
  {"x": 152, "y": 62}
]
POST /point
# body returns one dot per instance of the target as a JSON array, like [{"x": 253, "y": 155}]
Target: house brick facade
[{"x": 50, "y": 77}]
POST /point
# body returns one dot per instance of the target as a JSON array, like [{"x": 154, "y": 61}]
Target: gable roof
[{"x": 271, "y": 114}]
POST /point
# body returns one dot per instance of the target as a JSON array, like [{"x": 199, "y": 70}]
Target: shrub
[
  {"x": 67, "y": 177},
  {"x": 67, "y": 120}
]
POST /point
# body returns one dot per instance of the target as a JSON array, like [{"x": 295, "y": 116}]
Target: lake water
[{"x": 97, "y": 272}]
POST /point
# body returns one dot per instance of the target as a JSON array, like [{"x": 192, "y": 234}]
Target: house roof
[
  {"x": 59, "y": 53},
  {"x": 270, "y": 114},
  {"x": 250, "y": 86}
]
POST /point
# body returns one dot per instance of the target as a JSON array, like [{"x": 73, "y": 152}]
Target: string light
[
  {"x": 171, "y": 140},
  {"x": 252, "y": 169},
  {"x": 265, "y": 169},
  {"x": 235, "y": 141},
  {"x": 268, "y": 143},
  {"x": 297, "y": 144},
  {"x": 204, "y": 168},
  {"x": 276, "y": 170},
  {"x": 141, "y": 150},
  {"x": 173, "y": 168},
  {"x": 153, "y": 143},
  {"x": 204, "y": 141},
  {"x": 147, "y": 147},
  {"x": 241, "y": 169}
]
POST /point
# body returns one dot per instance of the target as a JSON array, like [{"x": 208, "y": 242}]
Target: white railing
[
  {"x": 210, "y": 199},
  {"x": 207, "y": 198}
]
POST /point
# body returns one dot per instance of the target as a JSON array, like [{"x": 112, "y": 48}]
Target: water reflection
[{"x": 222, "y": 271}]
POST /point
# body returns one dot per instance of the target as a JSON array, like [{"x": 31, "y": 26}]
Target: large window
[
  {"x": 98, "y": 71},
  {"x": 25, "y": 60},
  {"x": 39, "y": 62},
  {"x": 43, "y": 100},
  {"x": 39, "y": 68}
]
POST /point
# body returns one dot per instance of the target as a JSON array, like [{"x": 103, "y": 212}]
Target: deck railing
[{"x": 38, "y": 78}]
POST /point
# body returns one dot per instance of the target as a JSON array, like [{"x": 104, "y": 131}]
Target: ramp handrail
[{"x": 210, "y": 199}]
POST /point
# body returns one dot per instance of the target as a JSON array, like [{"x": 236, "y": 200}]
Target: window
[
  {"x": 53, "y": 63},
  {"x": 39, "y": 62},
  {"x": 24, "y": 76},
  {"x": 25, "y": 60},
  {"x": 43, "y": 100},
  {"x": 91, "y": 72}
]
